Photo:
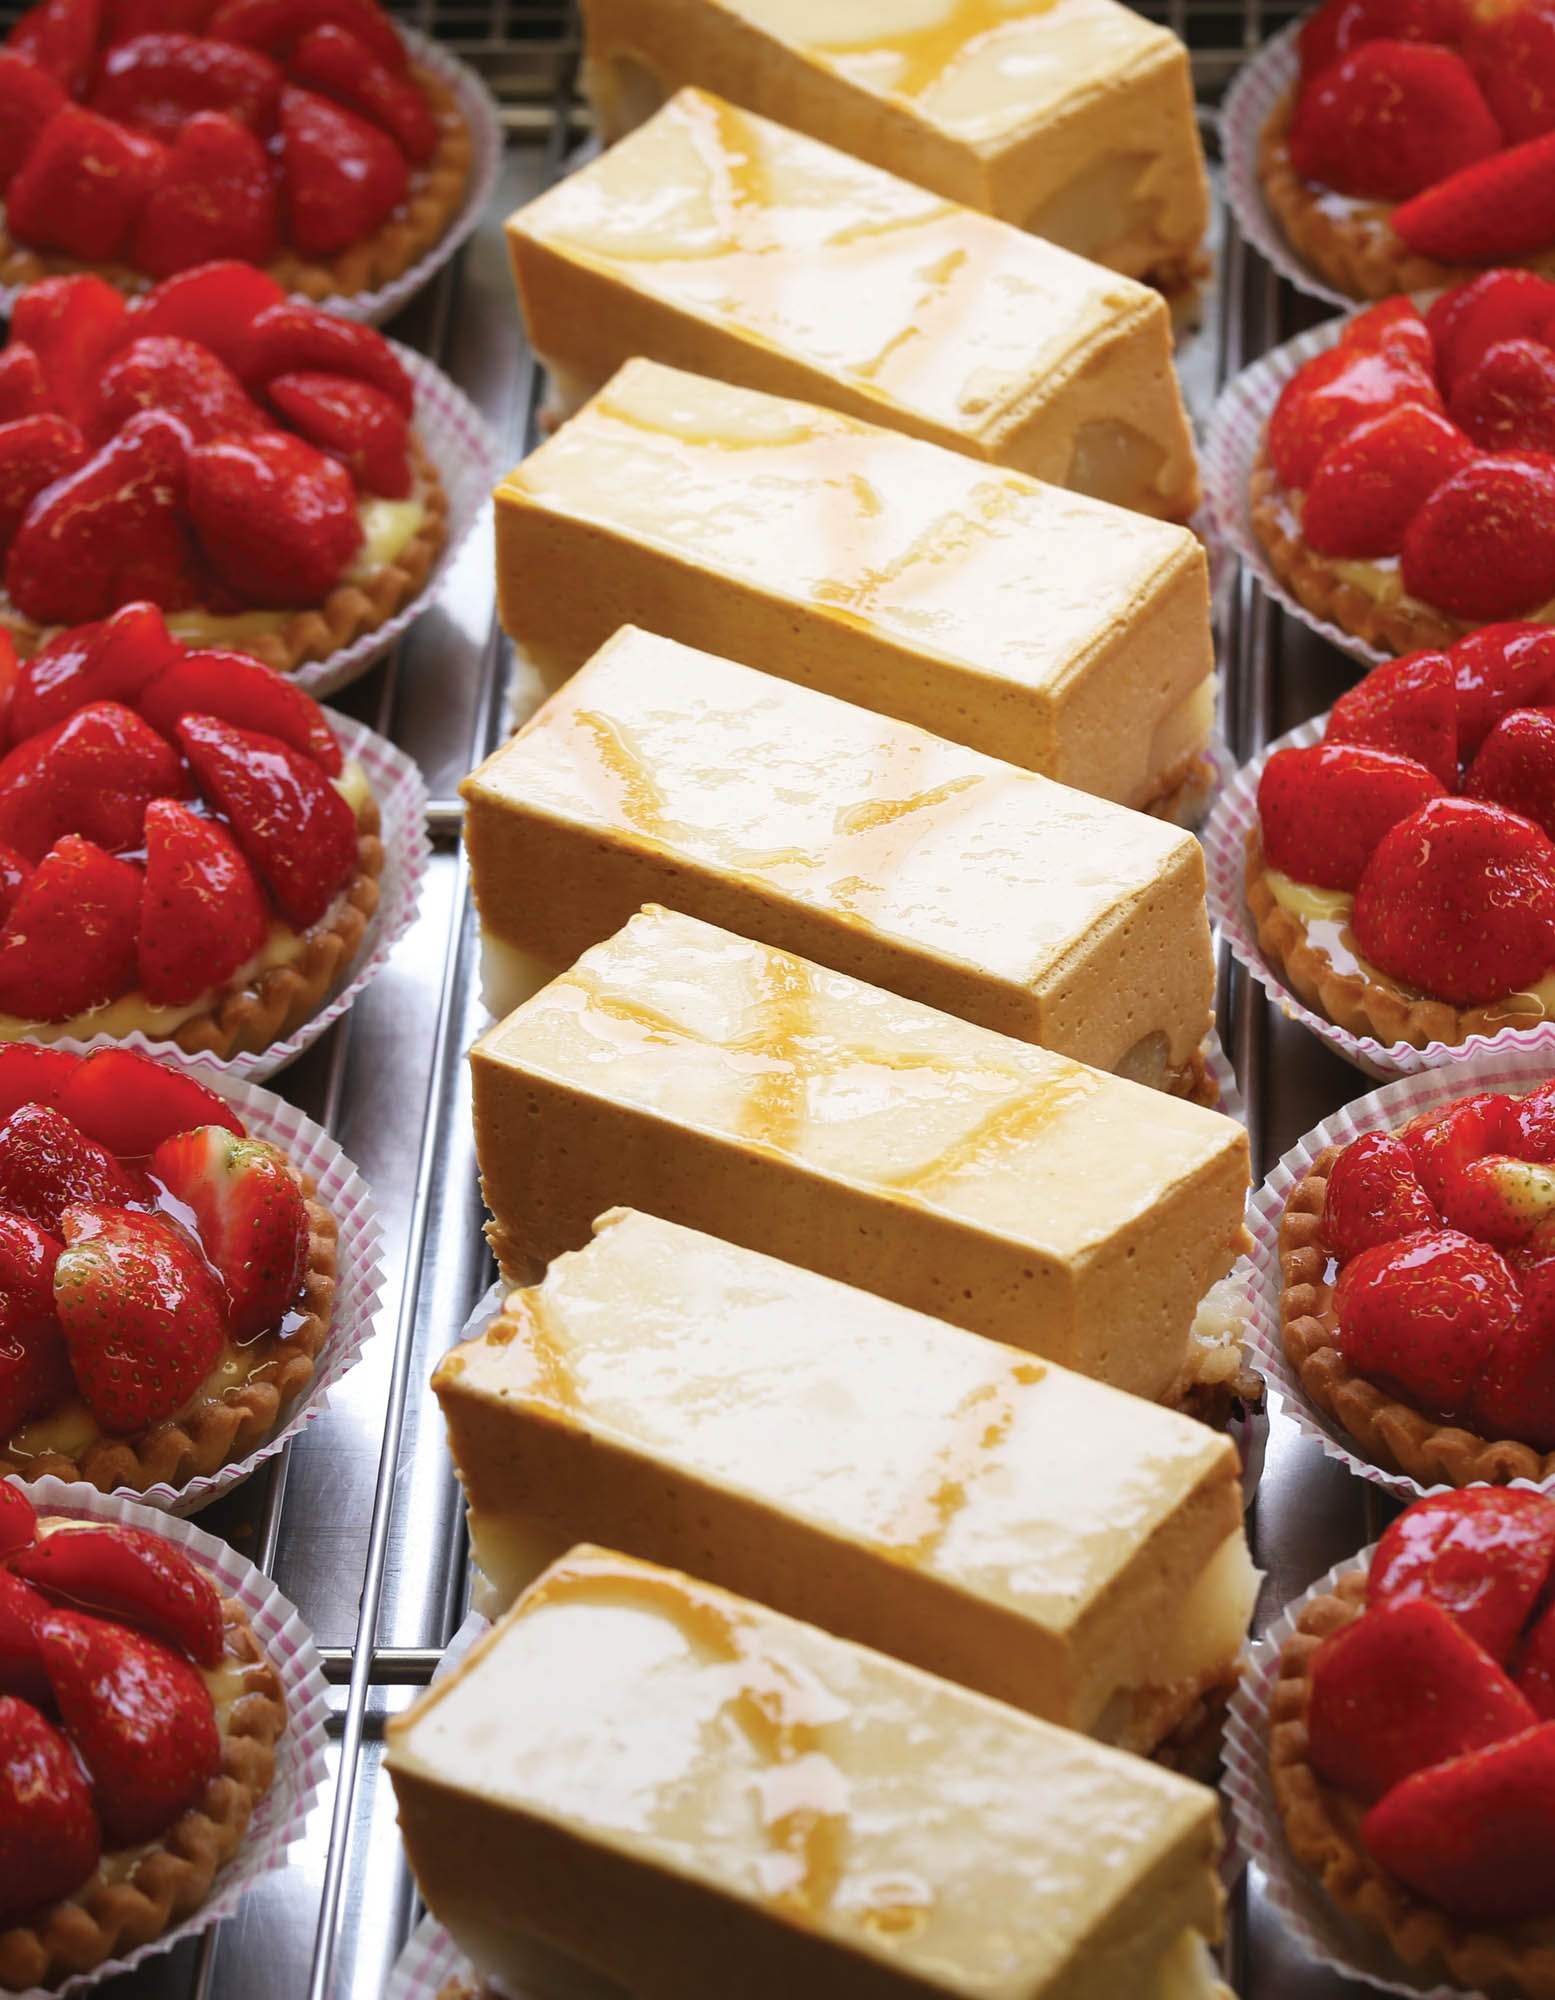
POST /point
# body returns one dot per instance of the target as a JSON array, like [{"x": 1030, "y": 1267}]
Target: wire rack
[{"x": 360, "y": 1521}]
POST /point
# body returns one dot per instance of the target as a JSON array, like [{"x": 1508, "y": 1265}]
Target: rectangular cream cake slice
[
  {"x": 987, "y": 1516},
  {"x": 740, "y": 1090},
  {"x": 704, "y": 1799},
  {"x": 716, "y": 241},
  {"x": 1064, "y": 635},
  {"x": 1071, "y": 118},
  {"x": 659, "y": 774}
]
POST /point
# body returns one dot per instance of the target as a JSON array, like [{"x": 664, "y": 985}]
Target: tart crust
[
  {"x": 1392, "y": 1434},
  {"x": 174, "y": 1877},
  {"x": 1322, "y": 1825},
  {"x": 434, "y": 198},
  {"x": 222, "y": 1428}
]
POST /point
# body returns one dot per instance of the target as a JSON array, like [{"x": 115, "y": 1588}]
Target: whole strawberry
[
  {"x": 1389, "y": 119},
  {"x": 1423, "y": 1316},
  {"x": 1407, "y": 707},
  {"x": 1324, "y": 809},
  {"x": 1496, "y": 669},
  {"x": 1483, "y": 544},
  {"x": 1369, "y": 486},
  {"x": 1374, "y": 1196}
]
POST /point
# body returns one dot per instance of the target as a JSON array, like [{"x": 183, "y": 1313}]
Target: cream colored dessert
[
  {"x": 737, "y": 1089},
  {"x": 1071, "y": 118},
  {"x": 704, "y": 1799},
  {"x": 659, "y": 774},
  {"x": 1064, "y": 635},
  {"x": 718, "y": 242},
  {"x": 987, "y": 1516}
]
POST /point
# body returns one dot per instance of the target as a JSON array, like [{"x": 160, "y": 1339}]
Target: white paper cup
[{"x": 299, "y": 1759}]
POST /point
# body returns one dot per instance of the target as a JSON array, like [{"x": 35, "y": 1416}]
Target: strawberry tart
[
  {"x": 1417, "y": 1298},
  {"x": 1402, "y": 872},
  {"x": 1412, "y": 1741},
  {"x": 1418, "y": 142},
  {"x": 166, "y": 1280},
  {"x": 139, "y": 1718},
  {"x": 185, "y": 853},
  {"x": 1405, "y": 486},
  {"x": 244, "y": 461},
  {"x": 143, "y": 137}
]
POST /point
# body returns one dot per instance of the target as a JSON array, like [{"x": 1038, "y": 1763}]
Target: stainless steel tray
[{"x": 360, "y": 1521}]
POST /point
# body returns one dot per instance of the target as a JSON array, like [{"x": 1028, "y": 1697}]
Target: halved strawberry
[
  {"x": 1513, "y": 56},
  {"x": 1388, "y": 119},
  {"x": 1475, "y": 1835},
  {"x": 1515, "y": 766},
  {"x": 1441, "y": 1143},
  {"x": 288, "y": 818},
  {"x": 21, "y": 1663},
  {"x": 18, "y": 1519},
  {"x": 252, "y": 1219},
  {"x": 1374, "y": 1196},
  {"x": 1422, "y": 1316},
  {"x": 354, "y": 422},
  {"x": 1491, "y": 212},
  {"x": 340, "y": 176},
  {"x": 278, "y": 25},
  {"x": 34, "y": 452},
  {"x": 28, "y": 1255},
  {"x": 1332, "y": 395},
  {"x": 92, "y": 774},
  {"x": 1497, "y": 669},
  {"x": 1533, "y": 1666},
  {"x": 142, "y": 1313},
  {"x": 203, "y": 914},
  {"x": 217, "y": 194},
  {"x": 46, "y": 1164},
  {"x": 1505, "y": 401},
  {"x": 215, "y": 304},
  {"x": 294, "y": 338},
  {"x": 35, "y": 1372},
  {"x": 33, "y": 1073},
  {"x": 1497, "y": 305},
  {"x": 1324, "y": 809},
  {"x": 157, "y": 82},
  {"x": 49, "y": 1838},
  {"x": 1407, "y": 707},
  {"x": 82, "y": 186},
  {"x": 29, "y": 97},
  {"x": 1341, "y": 25},
  {"x": 1483, "y": 545},
  {"x": 131, "y": 1575},
  {"x": 1400, "y": 1689},
  {"x": 140, "y": 1717},
  {"x": 108, "y": 660},
  {"x": 1369, "y": 486},
  {"x": 240, "y": 690},
  {"x": 276, "y": 520},
  {"x": 1459, "y": 900},
  {"x": 68, "y": 944},
  {"x": 23, "y": 391},
  {"x": 162, "y": 372},
  {"x": 333, "y": 60},
  {"x": 130, "y": 1103},
  {"x": 72, "y": 325},
  {"x": 60, "y": 36}
]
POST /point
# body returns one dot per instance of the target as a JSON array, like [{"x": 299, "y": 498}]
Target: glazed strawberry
[
  {"x": 82, "y": 186},
  {"x": 1496, "y": 306},
  {"x": 1389, "y": 119},
  {"x": 203, "y": 916},
  {"x": 332, "y": 60},
  {"x": 276, "y": 519},
  {"x": 49, "y": 1840},
  {"x": 29, "y": 97},
  {"x": 1513, "y": 56},
  {"x": 161, "y": 372},
  {"x": 32, "y": 1073},
  {"x": 1325, "y": 808},
  {"x": 1374, "y": 1196},
  {"x": 215, "y": 305},
  {"x": 130, "y": 1104},
  {"x": 111, "y": 660},
  {"x": 127, "y": 18},
  {"x": 1476, "y": 1835},
  {"x": 1341, "y": 25},
  {"x": 1483, "y": 545},
  {"x": 59, "y": 37},
  {"x": 1396, "y": 327},
  {"x": 34, "y": 1367},
  {"x": 1331, "y": 396},
  {"x": 46, "y": 1164},
  {"x": 110, "y": 532},
  {"x": 1459, "y": 900},
  {"x": 1423, "y": 1315},
  {"x": 92, "y": 774},
  {"x": 1515, "y": 766},
  {"x": 10, "y": 678},
  {"x": 140, "y": 1717},
  {"x": 1407, "y": 707},
  {"x": 1499, "y": 1199},
  {"x": 21, "y": 1663},
  {"x": 1515, "y": 1396},
  {"x": 18, "y": 1518},
  {"x": 23, "y": 391},
  {"x": 34, "y": 452},
  {"x": 15, "y": 873},
  {"x": 278, "y": 25},
  {"x": 1400, "y": 1690},
  {"x": 1497, "y": 669},
  {"x": 242, "y": 691},
  {"x": 1483, "y": 1554},
  {"x": 1505, "y": 401},
  {"x": 1492, "y": 212},
  {"x": 252, "y": 1219},
  {"x": 133, "y": 1577},
  {"x": 157, "y": 82},
  {"x": 1534, "y": 1667},
  {"x": 1368, "y": 487},
  {"x": 68, "y": 944},
  {"x": 72, "y": 325},
  {"x": 28, "y": 1255},
  {"x": 143, "y": 1317},
  {"x": 340, "y": 176},
  {"x": 217, "y": 194},
  {"x": 293, "y": 338},
  {"x": 352, "y": 421}
]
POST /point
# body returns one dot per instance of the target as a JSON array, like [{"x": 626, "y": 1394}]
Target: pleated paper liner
[
  {"x": 1515, "y": 1071},
  {"x": 299, "y": 1759}
]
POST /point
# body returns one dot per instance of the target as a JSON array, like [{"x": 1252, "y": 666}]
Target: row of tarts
[{"x": 849, "y": 1470}]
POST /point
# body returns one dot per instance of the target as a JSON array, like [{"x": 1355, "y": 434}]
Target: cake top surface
[
  {"x": 919, "y": 545},
  {"x": 964, "y": 1842},
  {"x": 713, "y": 1032},
  {"x": 947, "y": 1451},
  {"x": 950, "y": 314},
  {"x": 845, "y": 810}
]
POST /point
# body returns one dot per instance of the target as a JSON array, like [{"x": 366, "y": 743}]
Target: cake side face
[
  {"x": 660, "y": 773},
  {"x": 845, "y": 1815}
]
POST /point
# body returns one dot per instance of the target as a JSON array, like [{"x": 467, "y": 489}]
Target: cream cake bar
[
  {"x": 660, "y": 774},
  {"x": 987, "y": 1516},
  {"x": 1064, "y": 635},
  {"x": 718, "y": 242},
  {"x": 738, "y": 1089},
  {"x": 1071, "y": 118},
  {"x": 702, "y": 1798}
]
